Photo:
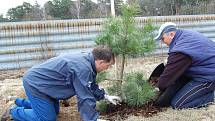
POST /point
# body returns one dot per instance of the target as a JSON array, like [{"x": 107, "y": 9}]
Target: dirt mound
[{"x": 123, "y": 111}]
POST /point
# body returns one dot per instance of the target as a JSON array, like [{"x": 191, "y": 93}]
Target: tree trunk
[
  {"x": 178, "y": 6},
  {"x": 78, "y": 7},
  {"x": 119, "y": 81},
  {"x": 122, "y": 66}
]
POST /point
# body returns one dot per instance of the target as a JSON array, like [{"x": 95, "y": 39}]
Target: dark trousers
[
  {"x": 194, "y": 95},
  {"x": 166, "y": 96},
  {"x": 187, "y": 94}
]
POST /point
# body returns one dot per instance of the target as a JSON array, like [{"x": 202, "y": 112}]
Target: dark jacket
[{"x": 200, "y": 49}]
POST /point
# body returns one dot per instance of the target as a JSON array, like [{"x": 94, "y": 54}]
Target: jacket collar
[
  {"x": 92, "y": 62},
  {"x": 174, "y": 40}
]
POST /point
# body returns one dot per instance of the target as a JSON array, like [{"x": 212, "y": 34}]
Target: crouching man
[
  {"x": 60, "y": 78},
  {"x": 191, "y": 55}
]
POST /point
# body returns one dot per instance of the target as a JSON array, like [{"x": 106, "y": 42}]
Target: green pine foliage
[
  {"x": 136, "y": 91},
  {"x": 115, "y": 89},
  {"x": 102, "y": 106},
  {"x": 125, "y": 37},
  {"x": 101, "y": 77}
]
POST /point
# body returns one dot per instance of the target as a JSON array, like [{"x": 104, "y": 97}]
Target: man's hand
[
  {"x": 157, "y": 89},
  {"x": 113, "y": 99},
  {"x": 101, "y": 120},
  {"x": 154, "y": 81}
]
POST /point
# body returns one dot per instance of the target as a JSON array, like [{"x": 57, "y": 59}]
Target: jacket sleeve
[
  {"x": 177, "y": 64},
  {"x": 88, "y": 80},
  {"x": 97, "y": 92},
  {"x": 86, "y": 99}
]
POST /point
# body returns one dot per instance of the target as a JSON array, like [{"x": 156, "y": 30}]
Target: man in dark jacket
[
  {"x": 60, "y": 78},
  {"x": 192, "y": 55}
]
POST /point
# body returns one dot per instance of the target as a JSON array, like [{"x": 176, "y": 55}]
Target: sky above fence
[{"x": 7, "y": 4}]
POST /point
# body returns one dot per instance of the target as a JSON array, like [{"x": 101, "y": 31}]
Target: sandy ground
[
  {"x": 203, "y": 114},
  {"x": 13, "y": 87}
]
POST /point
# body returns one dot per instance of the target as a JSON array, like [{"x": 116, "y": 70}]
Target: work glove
[
  {"x": 157, "y": 89},
  {"x": 113, "y": 99},
  {"x": 154, "y": 81},
  {"x": 101, "y": 120},
  {"x": 157, "y": 93}
]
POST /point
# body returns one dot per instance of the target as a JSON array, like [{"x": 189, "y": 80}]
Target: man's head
[
  {"x": 166, "y": 32},
  {"x": 104, "y": 57}
]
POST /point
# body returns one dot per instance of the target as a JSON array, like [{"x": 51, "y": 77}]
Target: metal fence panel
[{"x": 24, "y": 44}]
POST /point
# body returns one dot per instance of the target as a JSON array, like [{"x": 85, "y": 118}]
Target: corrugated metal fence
[{"x": 23, "y": 44}]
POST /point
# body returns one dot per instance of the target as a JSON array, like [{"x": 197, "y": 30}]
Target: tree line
[{"x": 81, "y": 9}]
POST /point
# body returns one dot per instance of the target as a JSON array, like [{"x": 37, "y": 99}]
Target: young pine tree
[{"x": 126, "y": 38}]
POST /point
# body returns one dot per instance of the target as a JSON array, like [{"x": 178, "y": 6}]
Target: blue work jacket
[{"x": 56, "y": 77}]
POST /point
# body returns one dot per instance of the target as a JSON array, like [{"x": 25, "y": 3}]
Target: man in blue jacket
[
  {"x": 60, "y": 78},
  {"x": 192, "y": 55}
]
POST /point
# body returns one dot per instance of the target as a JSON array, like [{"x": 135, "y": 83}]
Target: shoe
[
  {"x": 11, "y": 98},
  {"x": 214, "y": 96},
  {"x": 6, "y": 114}
]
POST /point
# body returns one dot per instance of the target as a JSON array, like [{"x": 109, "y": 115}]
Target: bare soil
[{"x": 124, "y": 111}]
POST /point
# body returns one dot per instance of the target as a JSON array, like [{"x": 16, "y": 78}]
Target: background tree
[
  {"x": 35, "y": 14},
  {"x": 67, "y": 9},
  {"x": 118, "y": 4},
  {"x": 104, "y": 8},
  {"x": 26, "y": 11},
  {"x": 174, "y": 7},
  {"x": 83, "y": 8},
  {"x": 2, "y": 19},
  {"x": 20, "y": 11},
  {"x": 78, "y": 7},
  {"x": 59, "y": 9}
]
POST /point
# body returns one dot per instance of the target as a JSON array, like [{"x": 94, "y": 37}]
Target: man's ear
[
  {"x": 172, "y": 34},
  {"x": 100, "y": 61}
]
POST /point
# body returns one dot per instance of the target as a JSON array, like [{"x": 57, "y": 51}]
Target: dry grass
[
  {"x": 202, "y": 114},
  {"x": 13, "y": 87}
]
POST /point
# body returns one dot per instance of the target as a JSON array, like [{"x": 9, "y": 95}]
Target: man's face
[
  {"x": 102, "y": 65},
  {"x": 167, "y": 38}
]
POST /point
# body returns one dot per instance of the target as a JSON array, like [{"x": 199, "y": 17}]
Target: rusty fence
[{"x": 24, "y": 44}]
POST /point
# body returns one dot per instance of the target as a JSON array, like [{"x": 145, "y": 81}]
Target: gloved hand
[
  {"x": 101, "y": 120},
  {"x": 157, "y": 89},
  {"x": 113, "y": 99},
  {"x": 154, "y": 81}
]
